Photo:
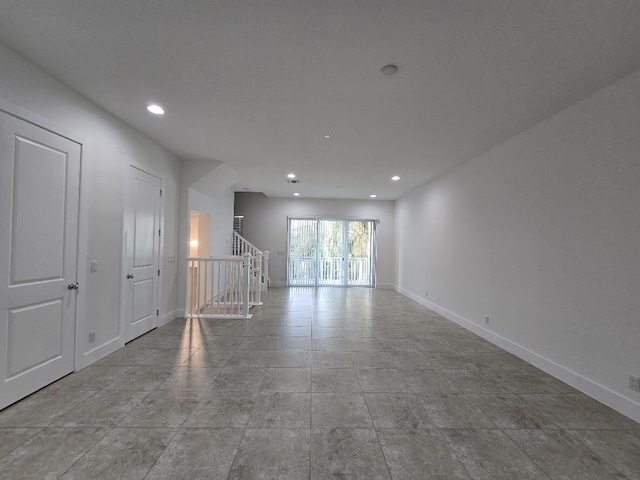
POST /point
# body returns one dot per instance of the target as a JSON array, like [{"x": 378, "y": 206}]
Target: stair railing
[
  {"x": 259, "y": 266},
  {"x": 219, "y": 287}
]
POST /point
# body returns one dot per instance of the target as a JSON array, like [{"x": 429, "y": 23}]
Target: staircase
[{"x": 259, "y": 266}]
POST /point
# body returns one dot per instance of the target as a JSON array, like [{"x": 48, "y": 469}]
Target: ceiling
[{"x": 256, "y": 84}]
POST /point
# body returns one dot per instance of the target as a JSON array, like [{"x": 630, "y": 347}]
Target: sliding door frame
[{"x": 345, "y": 253}]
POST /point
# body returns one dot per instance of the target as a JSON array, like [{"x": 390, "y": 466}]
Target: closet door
[{"x": 39, "y": 200}]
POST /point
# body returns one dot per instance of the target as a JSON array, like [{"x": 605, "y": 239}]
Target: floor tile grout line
[
  {"x": 86, "y": 452},
  {"x": 173, "y": 436},
  {"x": 244, "y": 431},
  {"x": 526, "y": 454},
  {"x": 39, "y": 429},
  {"x": 310, "y": 418},
  {"x": 161, "y": 453},
  {"x": 590, "y": 450},
  {"x": 446, "y": 441},
  {"x": 374, "y": 428},
  {"x": 517, "y": 392}
]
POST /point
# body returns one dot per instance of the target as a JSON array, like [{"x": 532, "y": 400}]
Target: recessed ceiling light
[
  {"x": 291, "y": 175},
  {"x": 326, "y": 135},
  {"x": 395, "y": 178},
  {"x": 373, "y": 195},
  {"x": 389, "y": 70},
  {"x": 156, "y": 109},
  {"x": 296, "y": 194}
]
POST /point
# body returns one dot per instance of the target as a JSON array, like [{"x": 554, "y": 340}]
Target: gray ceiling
[{"x": 256, "y": 84}]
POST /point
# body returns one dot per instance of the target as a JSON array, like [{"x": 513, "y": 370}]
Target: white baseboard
[
  {"x": 167, "y": 317},
  {"x": 277, "y": 284},
  {"x": 613, "y": 399},
  {"x": 102, "y": 351},
  {"x": 111, "y": 346}
]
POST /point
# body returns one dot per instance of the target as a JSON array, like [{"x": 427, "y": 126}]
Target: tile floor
[{"x": 320, "y": 384}]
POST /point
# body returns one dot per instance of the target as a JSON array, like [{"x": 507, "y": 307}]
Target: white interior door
[
  {"x": 142, "y": 252},
  {"x": 39, "y": 200}
]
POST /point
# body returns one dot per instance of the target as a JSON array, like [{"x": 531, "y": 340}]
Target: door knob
[
  {"x": 73, "y": 286},
  {"x": 130, "y": 276}
]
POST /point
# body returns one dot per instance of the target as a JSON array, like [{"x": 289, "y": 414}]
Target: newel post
[
  {"x": 246, "y": 283},
  {"x": 266, "y": 270}
]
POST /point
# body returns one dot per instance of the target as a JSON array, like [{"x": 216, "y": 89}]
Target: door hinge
[
  {"x": 157, "y": 313},
  {"x": 160, "y": 192},
  {"x": 159, "y": 232},
  {"x": 158, "y": 272}
]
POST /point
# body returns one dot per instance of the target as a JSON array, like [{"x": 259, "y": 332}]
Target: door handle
[
  {"x": 130, "y": 276},
  {"x": 73, "y": 286}
]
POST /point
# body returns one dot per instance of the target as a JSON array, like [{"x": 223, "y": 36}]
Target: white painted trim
[
  {"x": 273, "y": 284},
  {"x": 161, "y": 265},
  {"x": 83, "y": 217},
  {"x": 102, "y": 351},
  {"x": 40, "y": 121},
  {"x": 618, "y": 402},
  {"x": 82, "y": 265},
  {"x": 123, "y": 249},
  {"x": 168, "y": 317},
  {"x": 386, "y": 286}
]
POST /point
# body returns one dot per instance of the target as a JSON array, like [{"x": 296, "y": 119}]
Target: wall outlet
[
  {"x": 94, "y": 266},
  {"x": 92, "y": 336},
  {"x": 634, "y": 383},
  {"x": 487, "y": 320}
]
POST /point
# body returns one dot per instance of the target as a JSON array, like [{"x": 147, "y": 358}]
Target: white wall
[
  {"x": 220, "y": 209},
  {"x": 542, "y": 233},
  {"x": 106, "y": 143},
  {"x": 265, "y": 225},
  {"x": 216, "y": 199}
]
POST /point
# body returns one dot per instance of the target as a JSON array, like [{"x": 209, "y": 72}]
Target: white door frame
[
  {"x": 130, "y": 162},
  {"x": 83, "y": 219}
]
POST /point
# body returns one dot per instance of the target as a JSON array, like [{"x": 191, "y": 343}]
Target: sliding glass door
[
  {"x": 326, "y": 251},
  {"x": 303, "y": 252},
  {"x": 360, "y": 252}
]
